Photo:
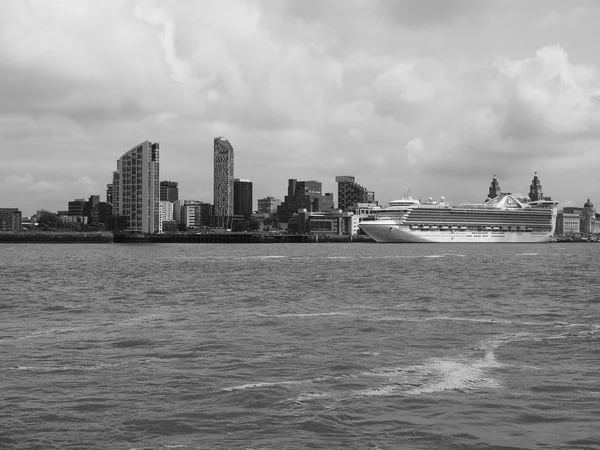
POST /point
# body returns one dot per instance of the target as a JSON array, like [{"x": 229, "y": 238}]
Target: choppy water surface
[{"x": 299, "y": 346}]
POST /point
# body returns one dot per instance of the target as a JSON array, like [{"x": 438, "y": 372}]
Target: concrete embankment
[
  {"x": 56, "y": 238},
  {"x": 235, "y": 238},
  {"x": 189, "y": 238}
]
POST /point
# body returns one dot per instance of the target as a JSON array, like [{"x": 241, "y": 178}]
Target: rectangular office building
[{"x": 10, "y": 220}]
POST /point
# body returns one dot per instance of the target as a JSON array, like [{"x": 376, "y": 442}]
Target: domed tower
[
  {"x": 588, "y": 217},
  {"x": 494, "y": 188},
  {"x": 535, "y": 189}
]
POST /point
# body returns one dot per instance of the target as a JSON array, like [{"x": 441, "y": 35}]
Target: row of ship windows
[
  {"x": 507, "y": 220},
  {"x": 479, "y": 224},
  {"x": 539, "y": 213},
  {"x": 475, "y": 229},
  {"x": 483, "y": 212},
  {"x": 465, "y": 218}
]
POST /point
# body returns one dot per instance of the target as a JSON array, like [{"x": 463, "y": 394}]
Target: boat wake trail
[{"x": 460, "y": 374}]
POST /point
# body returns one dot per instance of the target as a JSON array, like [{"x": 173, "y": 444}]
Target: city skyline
[{"x": 397, "y": 94}]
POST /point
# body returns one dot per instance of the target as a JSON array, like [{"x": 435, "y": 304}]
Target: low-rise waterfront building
[
  {"x": 169, "y": 191},
  {"x": 304, "y": 195},
  {"x": 577, "y": 219},
  {"x": 169, "y": 226},
  {"x": 350, "y": 193},
  {"x": 193, "y": 213},
  {"x": 590, "y": 222},
  {"x": 206, "y": 214},
  {"x": 10, "y": 220},
  {"x": 567, "y": 223},
  {"x": 77, "y": 207},
  {"x": 268, "y": 205},
  {"x": 101, "y": 213},
  {"x": 87, "y": 211},
  {"x": 324, "y": 223},
  {"x": 165, "y": 213},
  {"x": 190, "y": 214}
]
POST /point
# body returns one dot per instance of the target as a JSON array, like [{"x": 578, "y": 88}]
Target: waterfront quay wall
[
  {"x": 213, "y": 238},
  {"x": 48, "y": 237},
  {"x": 234, "y": 238},
  {"x": 56, "y": 238}
]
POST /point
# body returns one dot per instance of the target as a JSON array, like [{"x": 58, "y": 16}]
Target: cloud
[
  {"x": 400, "y": 90},
  {"x": 518, "y": 110},
  {"x": 18, "y": 180},
  {"x": 415, "y": 13},
  {"x": 59, "y": 185},
  {"x": 415, "y": 149},
  {"x": 547, "y": 95}
]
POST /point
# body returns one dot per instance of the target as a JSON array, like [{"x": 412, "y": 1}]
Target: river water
[{"x": 285, "y": 346}]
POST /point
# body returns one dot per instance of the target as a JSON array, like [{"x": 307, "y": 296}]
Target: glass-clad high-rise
[
  {"x": 242, "y": 197},
  {"x": 169, "y": 191}
]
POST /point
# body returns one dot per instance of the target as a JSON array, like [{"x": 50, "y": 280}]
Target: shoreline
[
  {"x": 179, "y": 238},
  {"x": 103, "y": 237}
]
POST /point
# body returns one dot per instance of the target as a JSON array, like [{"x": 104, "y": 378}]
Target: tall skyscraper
[
  {"x": 223, "y": 181},
  {"x": 242, "y": 197},
  {"x": 350, "y": 194},
  {"x": 136, "y": 191},
  {"x": 169, "y": 191}
]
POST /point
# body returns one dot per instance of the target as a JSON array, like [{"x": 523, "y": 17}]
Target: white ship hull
[{"x": 390, "y": 231}]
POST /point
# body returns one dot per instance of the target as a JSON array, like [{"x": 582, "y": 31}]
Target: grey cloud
[
  {"x": 413, "y": 13},
  {"x": 25, "y": 91},
  {"x": 41, "y": 94},
  {"x": 409, "y": 13}
]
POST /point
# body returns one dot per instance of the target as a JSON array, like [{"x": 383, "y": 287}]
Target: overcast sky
[{"x": 435, "y": 96}]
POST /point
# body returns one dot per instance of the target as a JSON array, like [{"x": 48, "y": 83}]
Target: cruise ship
[{"x": 503, "y": 218}]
